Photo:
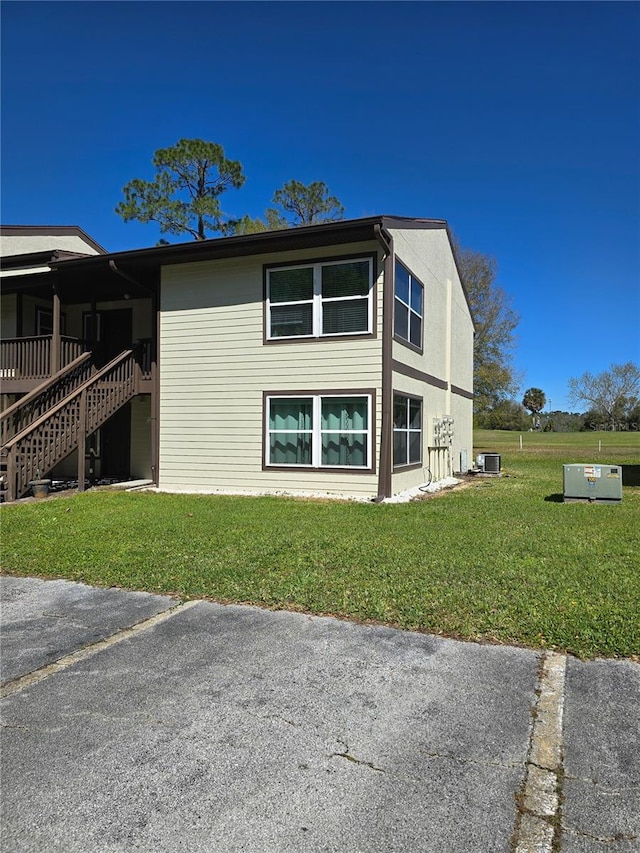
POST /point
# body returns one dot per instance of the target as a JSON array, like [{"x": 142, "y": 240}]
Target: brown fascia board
[
  {"x": 53, "y": 230},
  {"x": 30, "y": 259},
  {"x": 302, "y": 237},
  {"x": 413, "y": 222},
  {"x": 345, "y": 231},
  {"x": 286, "y": 239}
]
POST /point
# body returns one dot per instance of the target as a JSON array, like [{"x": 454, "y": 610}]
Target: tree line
[
  {"x": 612, "y": 399},
  {"x": 184, "y": 199}
]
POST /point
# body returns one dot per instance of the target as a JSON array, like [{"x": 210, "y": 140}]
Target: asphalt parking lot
[{"x": 139, "y": 722}]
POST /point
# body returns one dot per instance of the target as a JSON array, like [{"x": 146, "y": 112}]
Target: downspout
[
  {"x": 155, "y": 385},
  {"x": 127, "y": 277},
  {"x": 386, "y": 434}
]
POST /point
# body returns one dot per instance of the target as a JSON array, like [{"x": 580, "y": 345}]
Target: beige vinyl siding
[{"x": 215, "y": 368}]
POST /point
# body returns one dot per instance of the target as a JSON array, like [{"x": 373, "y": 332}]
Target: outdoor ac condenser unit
[
  {"x": 488, "y": 463},
  {"x": 595, "y": 483}
]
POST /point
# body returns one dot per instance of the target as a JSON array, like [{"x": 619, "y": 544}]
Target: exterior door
[{"x": 114, "y": 333}]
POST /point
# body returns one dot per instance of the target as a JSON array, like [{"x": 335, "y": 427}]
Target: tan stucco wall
[
  {"x": 448, "y": 348},
  {"x": 22, "y": 244}
]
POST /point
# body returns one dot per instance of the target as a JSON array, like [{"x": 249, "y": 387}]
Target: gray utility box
[{"x": 596, "y": 483}]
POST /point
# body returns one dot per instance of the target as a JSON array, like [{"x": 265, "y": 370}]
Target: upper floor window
[
  {"x": 320, "y": 299},
  {"x": 408, "y": 302}
]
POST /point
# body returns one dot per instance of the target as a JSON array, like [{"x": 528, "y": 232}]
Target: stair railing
[
  {"x": 65, "y": 427},
  {"x": 33, "y": 405}
]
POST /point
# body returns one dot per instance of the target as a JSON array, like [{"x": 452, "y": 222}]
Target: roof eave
[{"x": 352, "y": 230}]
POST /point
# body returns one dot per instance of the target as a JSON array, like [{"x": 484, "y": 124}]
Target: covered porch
[{"x": 78, "y": 376}]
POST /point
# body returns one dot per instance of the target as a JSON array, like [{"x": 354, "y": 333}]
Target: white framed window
[
  {"x": 407, "y": 430},
  {"x": 321, "y": 299},
  {"x": 408, "y": 306},
  {"x": 86, "y": 327},
  {"x": 44, "y": 322},
  {"x": 318, "y": 431}
]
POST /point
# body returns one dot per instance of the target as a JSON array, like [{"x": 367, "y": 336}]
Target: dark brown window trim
[
  {"x": 375, "y": 275},
  {"x": 411, "y": 465},
  {"x": 404, "y": 341},
  {"x": 325, "y": 469},
  {"x": 313, "y": 339},
  {"x": 413, "y": 373},
  {"x": 400, "y": 469},
  {"x": 469, "y": 395},
  {"x": 303, "y": 262},
  {"x": 408, "y": 344},
  {"x": 322, "y": 392}
]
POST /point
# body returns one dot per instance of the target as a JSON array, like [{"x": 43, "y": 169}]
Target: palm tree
[{"x": 534, "y": 400}]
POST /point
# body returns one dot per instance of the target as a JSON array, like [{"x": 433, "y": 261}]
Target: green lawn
[{"x": 501, "y": 560}]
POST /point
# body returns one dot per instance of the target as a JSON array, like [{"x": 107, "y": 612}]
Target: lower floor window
[
  {"x": 319, "y": 431},
  {"x": 407, "y": 430}
]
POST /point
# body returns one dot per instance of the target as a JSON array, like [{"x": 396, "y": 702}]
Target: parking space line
[{"x": 17, "y": 684}]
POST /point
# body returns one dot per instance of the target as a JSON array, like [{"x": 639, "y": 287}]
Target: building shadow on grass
[{"x": 557, "y": 498}]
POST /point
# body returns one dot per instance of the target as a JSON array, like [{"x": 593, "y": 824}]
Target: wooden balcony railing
[
  {"x": 48, "y": 440},
  {"x": 30, "y": 358},
  {"x": 33, "y": 405}
]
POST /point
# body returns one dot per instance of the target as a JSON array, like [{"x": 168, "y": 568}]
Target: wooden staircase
[{"x": 55, "y": 419}]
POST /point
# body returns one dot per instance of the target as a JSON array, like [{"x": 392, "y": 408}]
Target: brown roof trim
[
  {"x": 413, "y": 222},
  {"x": 52, "y": 230},
  {"x": 30, "y": 259},
  {"x": 302, "y": 237},
  {"x": 330, "y": 233}
]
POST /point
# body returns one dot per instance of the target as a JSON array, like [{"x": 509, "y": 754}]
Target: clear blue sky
[{"x": 517, "y": 122}]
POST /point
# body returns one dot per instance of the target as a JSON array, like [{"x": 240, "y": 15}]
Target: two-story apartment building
[{"x": 331, "y": 359}]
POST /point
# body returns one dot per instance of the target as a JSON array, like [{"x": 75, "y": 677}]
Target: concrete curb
[{"x": 537, "y": 824}]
